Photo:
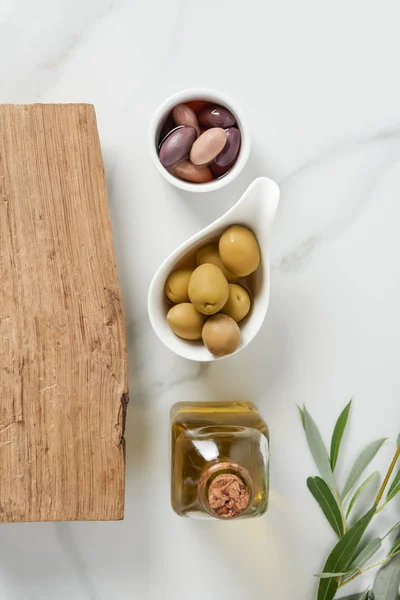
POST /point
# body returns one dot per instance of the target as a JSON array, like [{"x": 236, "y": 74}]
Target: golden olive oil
[{"x": 220, "y": 460}]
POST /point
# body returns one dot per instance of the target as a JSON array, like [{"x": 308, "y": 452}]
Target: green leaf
[
  {"x": 342, "y": 555},
  {"x": 338, "y": 434},
  {"x": 394, "y": 488},
  {"x": 361, "y": 464},
  {"x": 387, "y": 582},
  {"x": 330, "y": 575},
  {"x": 301, "y": 411},
  {"x": 362, "y": 596},
  {"x": 360, "y": 490},
  {"x": 391, "y": 530},
  {"x": 327, "y": 502},
  {"x": 395, "y": 548},
  {"x": 318, "y": 450},
  {"x": 366, "y": 553}
]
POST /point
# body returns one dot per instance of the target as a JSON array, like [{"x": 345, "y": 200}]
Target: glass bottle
[{"x": 220, "y": 460}]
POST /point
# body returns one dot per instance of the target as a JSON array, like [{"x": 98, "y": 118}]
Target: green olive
[
  {"x": 210, "y": 255},
  {"x": 221, "y": 335},
  {"x": 238, "y": 304},
  {"x": 176, "y": 286},
  {"x": 208, "y": 289},
  {"x": 239, "y": 250},
  {"x": 185, "y": 321}
]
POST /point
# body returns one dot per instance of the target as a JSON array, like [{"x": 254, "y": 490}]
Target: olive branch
[{"x": 352, "y": 555}]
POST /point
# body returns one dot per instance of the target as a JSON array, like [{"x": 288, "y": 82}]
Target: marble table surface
[{"x": 319, "y": 85}]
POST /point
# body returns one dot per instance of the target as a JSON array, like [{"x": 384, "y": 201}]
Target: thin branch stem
[
  {"x": 340, "y": 505},
  {"x": 378, "y": 509},
  {"x": 381, "y": 507},
  {"x": 391, "y": 530},
  {"x": 362, "y": 571},
  {"x": 388, "y": 475}
]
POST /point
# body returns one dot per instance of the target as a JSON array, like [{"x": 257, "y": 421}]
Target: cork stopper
[
  {"x": 227, "y": 495},
  {"x": 225, "y": 490}
]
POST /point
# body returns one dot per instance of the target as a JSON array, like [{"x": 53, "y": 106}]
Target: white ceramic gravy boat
[{"x": 256, "y": 210}]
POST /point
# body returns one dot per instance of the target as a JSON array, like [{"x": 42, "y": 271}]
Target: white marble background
[{"x": 319, "y": 83}]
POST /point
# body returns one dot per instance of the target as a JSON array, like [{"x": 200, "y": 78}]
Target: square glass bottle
[{"x": 220, "y": 460}]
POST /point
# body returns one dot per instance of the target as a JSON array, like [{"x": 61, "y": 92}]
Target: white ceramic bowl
[
  {"x": 256, "y": 210},
  {"x": 199, "y": 94}
]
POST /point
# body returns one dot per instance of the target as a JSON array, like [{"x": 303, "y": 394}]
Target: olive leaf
[
  {"x": 330, "y": 575},
  {"x": 318, "y": 450},
  {"x": 327, "y": 502},
  {"x": 337, "y": 435},
  {"x": 395, "y": 549},
  {"x": 348, "y": 557},
  {"x": 363, "y": 596},
  {"x": 367, "y": 553},
  {"x": 391, "y": 530},
  {"x": 360, "y": 489},
  {"x": 394, "y": 488},
  {"x": 342, "y": 555},
  {"x": 361, "y": 464},
  {"x": 301, "y": 411},
  {"x": 387, "y": 582}
]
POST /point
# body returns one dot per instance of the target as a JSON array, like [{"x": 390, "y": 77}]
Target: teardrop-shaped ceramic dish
[{"x": 256, "y": 210}]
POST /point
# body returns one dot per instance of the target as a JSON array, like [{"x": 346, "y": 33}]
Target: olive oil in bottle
[{"x": 220, "y": 460}]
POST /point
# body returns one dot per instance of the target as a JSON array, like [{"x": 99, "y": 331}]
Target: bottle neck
[{"x": 225, "y": 490}]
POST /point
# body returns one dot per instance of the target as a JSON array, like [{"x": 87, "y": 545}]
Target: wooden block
[{"x": 63, "y": 366}]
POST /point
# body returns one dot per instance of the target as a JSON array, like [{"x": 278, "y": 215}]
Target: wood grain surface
[{"x": 63, "y": 368}]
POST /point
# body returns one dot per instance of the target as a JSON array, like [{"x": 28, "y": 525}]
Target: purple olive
[
  {"x": 167, "y": 127},
  {"x": 230, "y": 151},
  {"x": 184, "y": 115},
  {"x": 220, "y": 171},
  {"x": 177, "y": 145},
  {"x": 216, "y": 116},
  {"x": 190, "y": 172}
]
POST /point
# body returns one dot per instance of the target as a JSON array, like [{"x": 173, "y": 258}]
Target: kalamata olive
[
  {"x": 197, "y": 105},
  {"x": 208, "y": 146},
  {"x": 220, "y": 171},
  {"x": 190, "y": 172},
  {"x": 216, "y": 116},
  {"x": 184, "y": 115},
  {"x": 177, "y": 145},
  {"x": 167, "y": 127},
  {"x": 231, "y": 149}
]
